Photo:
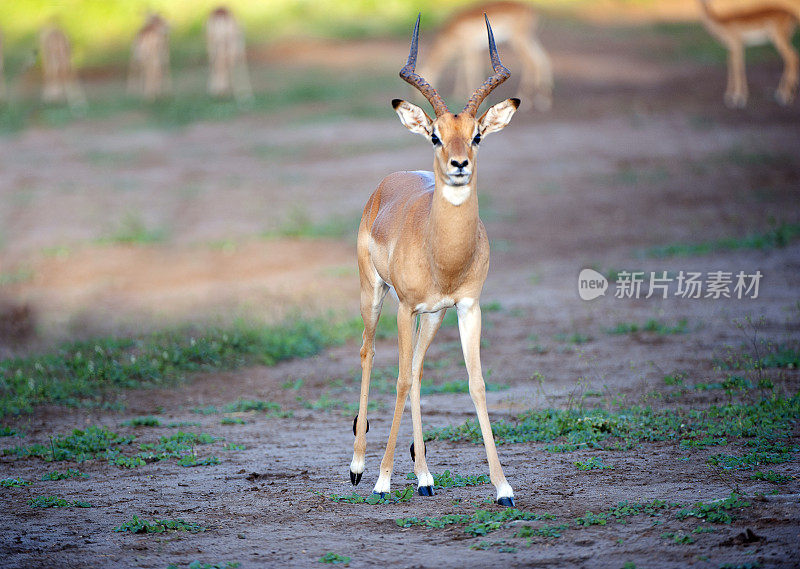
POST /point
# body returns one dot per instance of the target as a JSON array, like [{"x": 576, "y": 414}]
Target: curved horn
[
  {"x": 500, "y": 75},
  {"x": 407, "y": 74}
]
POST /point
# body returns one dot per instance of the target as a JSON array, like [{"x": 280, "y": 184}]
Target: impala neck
[{"x": 452, "y": 230}]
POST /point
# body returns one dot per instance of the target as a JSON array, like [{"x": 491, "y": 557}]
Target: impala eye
[
  {"x": 435, "y": 140},
  {"x": 477, "y": 140}
]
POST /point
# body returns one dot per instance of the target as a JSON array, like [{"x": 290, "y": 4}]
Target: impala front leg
[
  {"x": 469, "y": 326},
  {"x": 429, "y": 325},
  {"x": 405, "y": 342}
]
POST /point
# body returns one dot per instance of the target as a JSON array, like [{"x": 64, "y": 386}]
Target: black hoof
[
  {"x": 414, "y": 455},
  {"x": 383, "y": 495},
  {"x": 508, "y": 502},
  {"x": 355, "y": 478},
  {"x": 425, "y": 490},
  {"x": 355, "y": 420}
]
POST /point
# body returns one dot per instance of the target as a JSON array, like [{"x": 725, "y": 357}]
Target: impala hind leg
[
  {"x": 428, "y": 326},
  {"x": 405, "y": 333},
  {"x": 372, "y": 295},
  {"x": 469, "y": 327},
  {"x": 736, "y": 93},
  {"x": 788, "y": 85}
]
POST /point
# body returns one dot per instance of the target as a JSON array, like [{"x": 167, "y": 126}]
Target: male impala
[
  {"x": 420, "y": 234},
  {"x": 149, "y": 69},
  {"x": 60, "y": 81},
  {"x": 226, "y": 56},
  {"x": 753, "y": 26},
  {"x": 460, "y": 41}
]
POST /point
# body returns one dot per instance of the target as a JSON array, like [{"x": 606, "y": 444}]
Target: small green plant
[
  {"x": 652, "y": 325},
  {"x": 70, "y": 473},
  {"x": 776, "y": 237},
  {"x": 402, "y": 495},
  {"x": 481, "y": 522},
  {"x": 7, "y": 431},
  {"x": 141, "y": 525},
  {"x": 190, "y": 460},
  {"x": 244, "y": 405},
  {"x": 593, "y": 463},
  {"x": 550, "y": 531},
  {"x": 94, "y": 442},
  {"x": 574, "y": 338},
  {"x": 451, "y": 480},
  {"x": 202, "y": 565},
  {"x": 127, "y": 461},
  {"x": 233, "y": 446},
  {"x": 232, "y": 421},
  {"x": 142, "y": 422},
  {"x": 13, "y": 483},
  {"x": 56, "y": 502},
  {"x": 719, "y": 512},
  {"x": 771, "y": 476},
  {"x": 334, "y": 558},
  {"x": 679, "y": 538}
]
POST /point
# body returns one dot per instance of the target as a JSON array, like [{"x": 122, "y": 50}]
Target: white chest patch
[
  {"x": 756, "y": 37},
  {"x": 456, "y": 195}
]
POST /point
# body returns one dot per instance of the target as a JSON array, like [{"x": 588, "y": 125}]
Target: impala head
[{"x": 455, "y": 137}]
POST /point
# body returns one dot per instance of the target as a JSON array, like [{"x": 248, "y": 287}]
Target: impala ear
[
  {"x": 498, "y": 116},
  {"x": 413, "y": 117}
]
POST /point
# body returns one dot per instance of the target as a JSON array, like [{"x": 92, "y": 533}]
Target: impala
[
  {"x": 754, "y": 26},
  {"x": 149, "y": 69},
  {"x": 2, "y": 74},
  {"x": 226, "y": 56},
  {"x": 420, "y": 235},
  {"x": 60, "y": 81},
  {"x": 512, "y": 22}
]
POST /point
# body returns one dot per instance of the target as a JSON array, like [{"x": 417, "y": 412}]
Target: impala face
[{"x": 455, "y": 138}]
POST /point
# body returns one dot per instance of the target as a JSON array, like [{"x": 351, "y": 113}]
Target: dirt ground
[{"x": 638, "y": 151}]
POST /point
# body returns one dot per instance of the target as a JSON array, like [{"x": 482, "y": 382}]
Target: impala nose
[{"x": 459, "y": 165}]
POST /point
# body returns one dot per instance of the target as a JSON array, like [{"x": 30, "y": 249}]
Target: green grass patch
[
  {"x": 233, "y": 446},
  {"x": 13, "y": 483},
  {"x": 142, "y": 422},
  {"x": 769, "y": 419},
  {"x": 232, "y": 421},
  {"x": 478, "y": 523},
  {"x": 402, "y": 495},
  {"x": 202, "y": 565},
  {"x": 782, "y": 357},
  {"x": 574, "y": 338},
  {"x": 190, "y": 460},
  {"x": 141, "y": 525},
  {"x": 775, "y": 238},
  {"x": 549, "y": 531},
  {"x": 84, "y": 373},
  {"x": 6, "y": 431},
  {"x": 58, "y": 475},
  {"x": 593, "y": 463},
  {"x": 652, "y": 325},
  {"x": 427, "y": 387},
  {"x": 719, "y": 512},
  {"x": 56, "y": 502},
  {"x": 771, "y": 476},
  {"x": 244, "y": 405},
  {"x": 678, "y": 537},
  {"x": 447, "y": 479},
  {"x": 80, "y": 445},
  {"x": 334, "y": 558}
]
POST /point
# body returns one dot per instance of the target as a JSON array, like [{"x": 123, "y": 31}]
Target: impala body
[
  {"x": 60, "y": 81},
  {"x": 460, "y": 44},
  {"x": 226, "y": 56},
  {"x": 420, "y": 234},
  {"x": 755, "y": 25},
  {"x": 149, "y": 68}
]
